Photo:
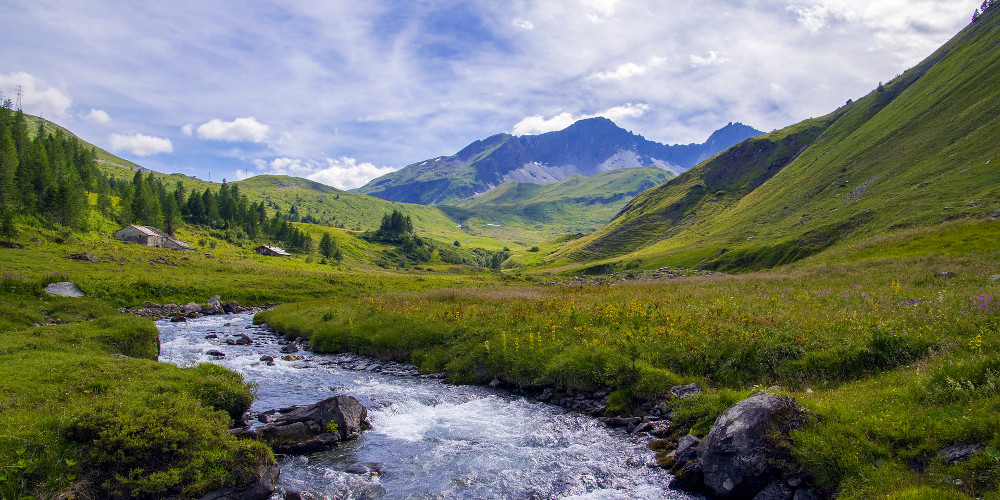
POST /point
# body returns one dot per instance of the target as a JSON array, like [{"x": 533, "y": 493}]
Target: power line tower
[{"x": 20, "y": 92}]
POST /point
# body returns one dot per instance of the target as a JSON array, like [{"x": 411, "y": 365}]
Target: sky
[{"x": 344, "y": 91}]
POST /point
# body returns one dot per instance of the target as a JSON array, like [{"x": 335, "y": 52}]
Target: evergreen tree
[{"x": 9, "y": 197}]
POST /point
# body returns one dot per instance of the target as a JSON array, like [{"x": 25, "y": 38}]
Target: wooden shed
[
  {"x": 151, "y": 237},
  {"x": 272, "y": 251}
]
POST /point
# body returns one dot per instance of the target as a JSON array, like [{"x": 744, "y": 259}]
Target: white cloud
[
  {"x": 523, "y": 24},
  {"x": 713, "y": 57},
  {"x": 239, "y": 130},
  {"x": 816, "y": 17},
  {"x": 621, "y": 112},
  {"x": 347, "y": 173},
  {"x": 187, "y": 130},
  {"x": 341, "y": 173},
  {"x": 538, "y": 124},
  {"x": 600, "y": 9},
  {"x": 629, "y": 70},
  {"x": 139, "y": 144},
  {"x": 37, "y": 96},
  {"x": 98, "y": 116}
]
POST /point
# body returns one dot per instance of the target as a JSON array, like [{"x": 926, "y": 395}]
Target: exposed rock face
[
  {"x": 735, "y": 456},
  {"x": 63, "y": 289}
]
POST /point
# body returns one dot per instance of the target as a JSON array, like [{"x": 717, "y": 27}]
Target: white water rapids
[{"x": 430, "y": 439}]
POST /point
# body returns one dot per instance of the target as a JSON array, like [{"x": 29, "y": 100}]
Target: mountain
[
  {"x": 526, "y": 213},
  {"x": 584, "y": 148},
  {"x": 915, "y": 152}
]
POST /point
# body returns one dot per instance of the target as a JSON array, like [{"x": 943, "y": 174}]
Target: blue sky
[{"x": 344, "y": 91}]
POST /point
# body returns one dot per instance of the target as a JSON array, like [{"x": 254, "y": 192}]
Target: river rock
[
  {"x": 261, "y": 487},
  {"x": 178, "y": 319},
  {"x": 290, "y": 348},
  {"x": 214, "y": 306},
  {"x": 190, "y": 307},
  {"x": 307, "y": 429},
  {"x": 241, "y": 339},
  {"x": 215, "y": 353},
  {"x": 687, "y": 450},
  {"x": 268, "y": 360},
  {"x": 232, "y": 307},
  {"x": 358, "y": 468},
  {"x": 63, "y": 289},
  {"x": 350, "y": 415},
  {"x": 736, "y": 455}
]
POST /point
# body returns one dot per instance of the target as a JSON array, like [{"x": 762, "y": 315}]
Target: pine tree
[
  {"x": 9, "y": 198},
  {"x": 326, "y": 245}
]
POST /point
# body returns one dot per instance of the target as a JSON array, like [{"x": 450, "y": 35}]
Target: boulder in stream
[{"x": 319, "y": 426}]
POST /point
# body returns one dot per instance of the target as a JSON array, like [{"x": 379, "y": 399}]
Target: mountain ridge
[{"x": 585, "y": 148}]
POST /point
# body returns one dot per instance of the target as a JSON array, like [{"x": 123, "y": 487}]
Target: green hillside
[
  {"x": 525, "y": 213},
  {"x": 916, "y": 151}
]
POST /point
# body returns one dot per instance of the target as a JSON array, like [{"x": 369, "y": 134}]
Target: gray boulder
[
  {"x": 232, "y": 307},
  {"x": 736, "y": 455},
  {"x": 347, "y": 412},
  {"x": 214, "y": 306},
  {"x": 191, "y": 307},
  {"x": 63, "y": 289},
  {"x": 290, "y": 348}
]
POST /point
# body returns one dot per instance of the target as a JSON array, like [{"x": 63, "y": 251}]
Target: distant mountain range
[{"x": 585, "y": 148}]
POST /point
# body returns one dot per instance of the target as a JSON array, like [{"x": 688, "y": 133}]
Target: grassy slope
[
  {"x": 916, "y": 153},
  {"x": 525, "y": 213}
]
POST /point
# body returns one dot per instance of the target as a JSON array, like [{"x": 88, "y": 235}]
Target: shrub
[{"x": 151, "y": 447}]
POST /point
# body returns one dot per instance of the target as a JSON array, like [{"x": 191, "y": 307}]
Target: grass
[
  {"x": 894, "y": 363},
  {"x": 77, "y": 421}
]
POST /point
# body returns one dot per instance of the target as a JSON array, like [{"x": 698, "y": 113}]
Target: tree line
[{"x": 47, "y": 178}]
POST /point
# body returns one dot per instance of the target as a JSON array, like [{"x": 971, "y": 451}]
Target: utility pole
[{"x": 20, "y": 92}]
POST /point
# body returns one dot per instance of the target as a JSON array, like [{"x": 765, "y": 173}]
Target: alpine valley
[{"x": 808, "y": 313}]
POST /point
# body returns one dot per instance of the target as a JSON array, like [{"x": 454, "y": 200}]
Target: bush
[{"x": 151, "y": 447}]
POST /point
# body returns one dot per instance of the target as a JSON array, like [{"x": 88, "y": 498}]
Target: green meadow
[{"x": 893, "y": 361}]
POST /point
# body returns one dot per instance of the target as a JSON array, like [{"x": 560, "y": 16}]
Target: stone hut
[
  {"x": 272, "y": 251},
  {"x": 151, "y": 237}
]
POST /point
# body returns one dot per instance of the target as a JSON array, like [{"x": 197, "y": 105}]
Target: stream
[{"x": 429, "y": 439}]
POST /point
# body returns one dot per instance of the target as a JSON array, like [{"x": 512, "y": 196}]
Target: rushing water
[{"x": 430, "y": 440}]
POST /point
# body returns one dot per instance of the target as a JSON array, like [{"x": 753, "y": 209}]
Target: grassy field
[{"x": 894, "y": 362}]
